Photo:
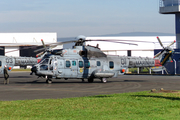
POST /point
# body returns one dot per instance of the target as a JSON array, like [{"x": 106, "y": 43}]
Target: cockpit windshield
[{"x": 44, "y": 61}]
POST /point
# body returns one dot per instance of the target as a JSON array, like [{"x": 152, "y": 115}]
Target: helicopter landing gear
[
  {"x": 104, "y": 80},
  {"x": 49, "y": 81},
  {"x": 90, "y": 80}
]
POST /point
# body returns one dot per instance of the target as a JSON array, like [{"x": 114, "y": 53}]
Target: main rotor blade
[
  {"x": 113, "y": 42},
  {"x": 39, "y": 49},
  {"x": 43, "y": 43},
  {"x": 24, "y": 48},
  {"x": 39, "y": 54},
  {"x": 71, "y": 41},
  {"x": 53, "y": 45},
  {"x": 160, "y": 42}
]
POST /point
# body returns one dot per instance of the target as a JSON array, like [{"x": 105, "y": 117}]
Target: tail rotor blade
[
  {"x": 157, "y": 54},
  {"x": 160, "y": 42},
  {"x": 171, "y": 43},
  {"x": 170, "y": 59}
]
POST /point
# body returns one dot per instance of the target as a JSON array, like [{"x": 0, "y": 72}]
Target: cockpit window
[
  {"x": 45, "y": 61},
  {"x": 43, "y": 67},
  {"x": 98, "y": 63}
]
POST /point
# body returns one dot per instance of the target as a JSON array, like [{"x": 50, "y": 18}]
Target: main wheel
[
  {"x": 90, "y": 80},
  {"x": 104, "y": 80}
]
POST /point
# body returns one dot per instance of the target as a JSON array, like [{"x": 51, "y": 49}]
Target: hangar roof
[{"x": 26, "y": 39}]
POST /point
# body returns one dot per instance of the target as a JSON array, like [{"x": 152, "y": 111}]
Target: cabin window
[
  {"x": 111, "y": 64},
  {"x": 73, "y": 63},
  {"x": 98, "y": 63},
  {"x": 0, "y": 64},
  {"x": 68, "y": 64},
  {"x": 81, "y": 64}
]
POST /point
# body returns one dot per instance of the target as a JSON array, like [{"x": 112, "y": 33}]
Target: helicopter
[
  {"x": 10, "y": 62},
  {"x": 89, "y": 62}
]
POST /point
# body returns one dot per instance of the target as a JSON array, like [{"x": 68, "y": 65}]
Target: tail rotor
[{"x": 166, "y": 53}]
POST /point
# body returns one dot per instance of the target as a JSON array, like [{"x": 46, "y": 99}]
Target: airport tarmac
[{"x": 27, "y": 87}]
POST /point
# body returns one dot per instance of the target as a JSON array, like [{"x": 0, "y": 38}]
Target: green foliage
[
  {"x": 21, "y": 70},
  {"x": 141, "y": 71},
  {"x": 131, "y": 106}
]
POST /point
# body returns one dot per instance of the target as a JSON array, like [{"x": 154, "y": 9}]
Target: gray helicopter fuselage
[
  {"x": 86, "y": 62},
  {"x": 73, "y": 64}
]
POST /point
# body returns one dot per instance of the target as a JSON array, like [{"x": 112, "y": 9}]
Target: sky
[{"x": 70, "y": 18}]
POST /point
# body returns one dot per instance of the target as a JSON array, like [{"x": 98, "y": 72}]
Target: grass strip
[
  {"x": 29, "y": 70},
  {"x": 132, "y": 106}
]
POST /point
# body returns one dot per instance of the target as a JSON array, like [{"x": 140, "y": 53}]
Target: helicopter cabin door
[
  {"x": 61, "y": 66},
  {"x": 84, "y": 69},
  {"x": 71, "y": 68}
]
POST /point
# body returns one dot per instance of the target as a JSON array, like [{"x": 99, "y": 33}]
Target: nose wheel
[
  {"x": 104, "y": 80},
  {"x": 49, "y": 81}
]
